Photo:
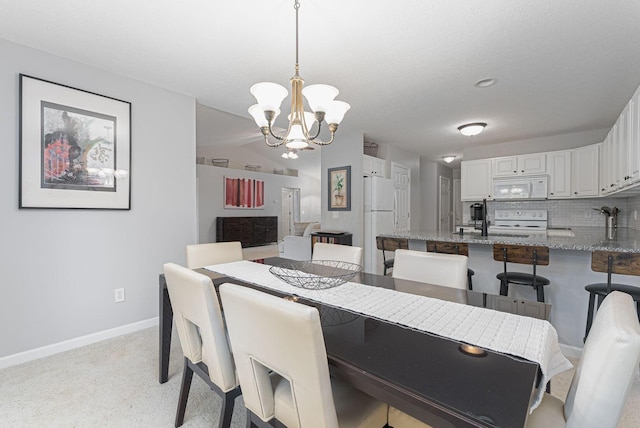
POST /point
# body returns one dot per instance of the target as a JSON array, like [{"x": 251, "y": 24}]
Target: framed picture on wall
[
  {"x": 75, "y": 148},
  {"x": 339, "y": 188},
  {"x": 243, "y": 193}
]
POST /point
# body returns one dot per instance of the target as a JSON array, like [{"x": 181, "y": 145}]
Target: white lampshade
[
  {"x": 285, "y": 155},
  {"x": 471, "y": 129},
  {"x": 336, "y": 112},
  {"x": 319, "y": 97},
  {"x": 258, "y": 115},
  {"x": 296, "y": 139},
  {"x": 448, "y": 159},
  {"x": 293, "y": 155},
  {"x": 269, "y": 95}
]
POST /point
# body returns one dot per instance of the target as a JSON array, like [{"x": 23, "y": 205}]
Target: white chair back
[
  {"x": 448, "y": 270},
  {"x": 343, "y": 253},
  {"x": 608, "y": 365},
  {"x": 199, "y": 255},
  {"x": 268, "y": 333},
  {"x": 198, "y": 319}
]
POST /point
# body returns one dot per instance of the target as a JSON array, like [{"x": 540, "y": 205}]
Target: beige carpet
[{"x": 114, "y": 383}]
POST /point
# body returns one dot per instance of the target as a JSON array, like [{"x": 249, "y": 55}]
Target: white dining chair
[
  {"x": 448, "y": 270},
  {"x": 343, "y": 253},
  {"x": 281, "y": 359},
  {"x": 200, "y": 255},
  {"x": 607, "y": 368},
  {"x": 198, "y": 319}
]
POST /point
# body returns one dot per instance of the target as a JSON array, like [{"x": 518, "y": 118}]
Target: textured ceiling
[{"x": 406, "y": 67}]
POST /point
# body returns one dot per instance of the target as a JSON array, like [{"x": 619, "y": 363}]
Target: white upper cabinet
[
  {"x": 520, "y": 165},
  {"x": 584, "y": 171},
  {"x": 475, "y": 177},
  {"x": 372, "y": 165},
  {"x": 633, "y": 139},
  {"x": 559, "y": 167}
]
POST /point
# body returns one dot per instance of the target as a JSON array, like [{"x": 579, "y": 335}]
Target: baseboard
[
  {"x": 78, "y": 342},
  {"x": 571, "y": 351}
]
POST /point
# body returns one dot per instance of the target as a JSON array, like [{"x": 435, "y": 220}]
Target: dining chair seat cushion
[
  {"x": 447, "y": 270},
  {"x": 521, "y": 278},
  {"x": 549, "y": 414},
  {"x": 399, "y": 419}
]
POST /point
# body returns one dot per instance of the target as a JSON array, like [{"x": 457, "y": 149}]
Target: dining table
[{"x": 438, "y": 380}]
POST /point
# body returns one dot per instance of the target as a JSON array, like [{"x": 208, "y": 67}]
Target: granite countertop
[{"x": 585, "y": 239}]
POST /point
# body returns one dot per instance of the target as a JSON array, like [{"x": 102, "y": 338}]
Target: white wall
[
  {"x": 345, "y": 150},
  {"x": 210, "y": 197},
  {"x": 60, "y": 267},
  {"x": 535, "y": 145}
]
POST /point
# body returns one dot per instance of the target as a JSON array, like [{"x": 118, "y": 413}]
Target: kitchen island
[{"x": 569, "y": 269}]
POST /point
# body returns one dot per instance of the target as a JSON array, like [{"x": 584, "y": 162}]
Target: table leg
[{"x": 165, "y": 327}]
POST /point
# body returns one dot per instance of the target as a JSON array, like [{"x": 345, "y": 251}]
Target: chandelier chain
[{"x": 296, "y": 6}]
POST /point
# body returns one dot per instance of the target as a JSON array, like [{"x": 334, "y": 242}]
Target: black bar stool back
[
  {"x": 458, "y": 248},
  {"x": 390, "y": 244},
  {"x": 522, "y": 254},
  {"x": 612, "y": 262}
]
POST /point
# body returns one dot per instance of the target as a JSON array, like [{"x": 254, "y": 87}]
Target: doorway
[
  {"x": 444, "y": 204},
  {"x": 289, "y": 212}
]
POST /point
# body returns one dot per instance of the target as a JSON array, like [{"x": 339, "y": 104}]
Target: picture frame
[
  {"x": 339, "y": 188},
  {"x": 243, "y": 193},
  {"x": 75, "y": 148}
]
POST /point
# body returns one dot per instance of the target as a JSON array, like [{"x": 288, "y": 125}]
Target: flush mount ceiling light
[
  {"x": 485, "y": 83},
  {"x": 471, "y": 129},
  {"x": 319, "y": 97},
  {"x": 448, "y": 159}
]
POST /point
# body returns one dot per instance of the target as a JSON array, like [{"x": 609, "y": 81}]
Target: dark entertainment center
[{"x": 250, "y": 231}]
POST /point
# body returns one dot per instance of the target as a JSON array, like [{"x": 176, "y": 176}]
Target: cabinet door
[
  {"x": 476, "y": 180},
  {"x": 559, "y": 164},
  {"x": 367, "y": 165},
  {"x": 532, "y": 164},
  {"x": 504, "y": 167},
  {"x": 634, "y": 138},
  {"x": 379, "y": 167},
  {"x": 584, "y": 171}
]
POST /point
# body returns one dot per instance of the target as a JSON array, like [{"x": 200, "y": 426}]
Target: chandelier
[{"x": 319, "y": 97}]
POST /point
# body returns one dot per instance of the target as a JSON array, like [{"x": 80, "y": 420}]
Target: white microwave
[{"x": 520, "y": 188}]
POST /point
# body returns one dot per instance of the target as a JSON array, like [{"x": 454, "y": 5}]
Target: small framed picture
[
  {"x": 75, "y": 148},
  {"x": 340, "y": 188}
]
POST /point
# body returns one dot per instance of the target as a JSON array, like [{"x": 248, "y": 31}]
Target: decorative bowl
[{"x": 317, "y": 274}]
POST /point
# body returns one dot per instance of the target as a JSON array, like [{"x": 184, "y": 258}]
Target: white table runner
[{"x": 525, "y": 337}]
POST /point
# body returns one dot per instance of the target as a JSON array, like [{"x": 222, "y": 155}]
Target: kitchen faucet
[
  {"x": 485, "y": 229},
  {"x": 611, "y": 216}
]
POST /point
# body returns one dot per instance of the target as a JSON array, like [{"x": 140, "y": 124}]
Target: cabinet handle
[
  {"x": 515, "y": 172},
  {"x": 523, "y": 170},
  {"x": 626, "y": 177},
  {"x": 552, "y": 193},
  {"x": 575, "y": 193},
  {"x": 612, "y": 185}
]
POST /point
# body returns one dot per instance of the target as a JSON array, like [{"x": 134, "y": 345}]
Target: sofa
[{"x": 298, "y": 246}]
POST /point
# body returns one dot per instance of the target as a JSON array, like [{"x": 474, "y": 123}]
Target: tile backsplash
[{"x": 571, "y": 212}]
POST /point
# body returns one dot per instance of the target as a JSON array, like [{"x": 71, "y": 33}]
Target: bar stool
[
  {"x": 522, "y": 254},
  {"x": 390, "y": 244},
  {"x": 459, "y": 248},
  {"x": 612, "y": 262}
]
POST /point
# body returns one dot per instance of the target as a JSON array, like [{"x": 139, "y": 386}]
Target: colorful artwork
[
  {"x": 78, "y": 149},
  {"x": 339, "y": 189},
  {"x": 75, "y": 148},
  {"x": 243, "y": 193}
]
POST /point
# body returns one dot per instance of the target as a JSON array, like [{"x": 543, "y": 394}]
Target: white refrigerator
[{"x": 379, "y": 218}]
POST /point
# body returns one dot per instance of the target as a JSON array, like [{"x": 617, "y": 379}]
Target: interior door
[
  {"x": 287, "y": 213},
  {"x": 402, "y": 191},
  {"x": 444, "y": 204},
  {"x": 457, "y": 204}
]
